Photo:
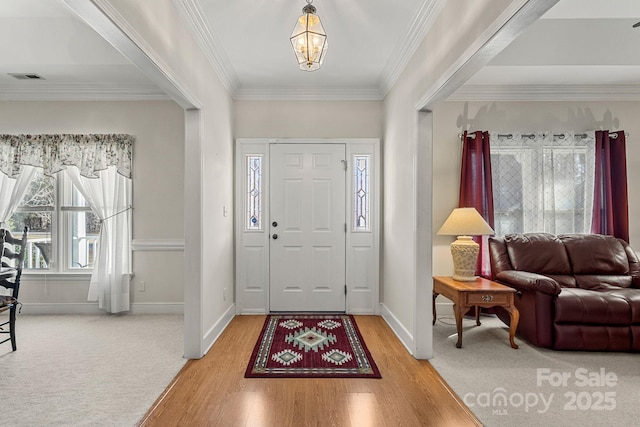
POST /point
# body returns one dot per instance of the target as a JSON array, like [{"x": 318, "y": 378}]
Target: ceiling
[{"x": 579, "y": 47}]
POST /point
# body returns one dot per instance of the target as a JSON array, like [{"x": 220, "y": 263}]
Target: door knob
[
  {"x": 275, "y": 224},
  {"x": 275, "y": 236}
]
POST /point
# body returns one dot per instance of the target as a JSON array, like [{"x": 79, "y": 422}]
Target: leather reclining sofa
[{"x": 575, "y": 291}]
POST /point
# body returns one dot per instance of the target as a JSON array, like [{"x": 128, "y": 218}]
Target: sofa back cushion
[
  {"x": 540, "y": 253},
  {"x": 498, "y": 256},
  {"x": 595, "y": 254}
]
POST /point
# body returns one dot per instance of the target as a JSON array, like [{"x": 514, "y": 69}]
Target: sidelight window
[
  {"x": 361, "y": 194},
  {"x": 254, "y": 193}
]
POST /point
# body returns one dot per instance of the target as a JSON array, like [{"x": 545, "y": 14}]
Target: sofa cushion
[
  {"x": 602, "y": 282},
  {"x": 632, "y": 297},
  {"x": 592, "y": 337},
  {"x": 540, "y": 253},
  {"x": 564, "y": 280},
  {"x": 595, "y": 254},
  {"x": 575, "y": 305},
  {"x": 635, "y": 338}
]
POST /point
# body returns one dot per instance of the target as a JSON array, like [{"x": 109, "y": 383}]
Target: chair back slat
[{"x": 11, "y": 258}]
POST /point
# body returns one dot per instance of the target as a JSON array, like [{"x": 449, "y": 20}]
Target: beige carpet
[
  {"x": 88, "y": 370},
  {"x": 532, "y": 386}
]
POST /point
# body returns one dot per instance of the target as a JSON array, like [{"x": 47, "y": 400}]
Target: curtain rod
[{"x": 557, "y": 135}]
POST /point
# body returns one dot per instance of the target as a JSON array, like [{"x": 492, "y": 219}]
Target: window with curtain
[
  {"x": 63, "y": 230},
  {"x": 542, "y": 182},
  {"x": 73, "y": 191}
]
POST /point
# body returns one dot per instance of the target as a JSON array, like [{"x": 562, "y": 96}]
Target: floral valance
[{"x": 89, "y": 153}]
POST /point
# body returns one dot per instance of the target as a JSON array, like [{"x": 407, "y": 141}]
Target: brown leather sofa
[{"x": 575, "y": 291}]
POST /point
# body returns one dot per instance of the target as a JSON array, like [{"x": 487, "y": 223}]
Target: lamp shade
[{"x": 465, "y": 222}]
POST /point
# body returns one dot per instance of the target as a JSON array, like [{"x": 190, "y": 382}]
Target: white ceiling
[{"x": 578, "y": 47}]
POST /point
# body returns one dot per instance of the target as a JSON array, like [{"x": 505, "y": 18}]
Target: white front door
[{"x": 307, "y": 230}]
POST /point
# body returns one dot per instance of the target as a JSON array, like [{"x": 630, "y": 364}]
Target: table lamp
[{"x": 464, "y": 223}]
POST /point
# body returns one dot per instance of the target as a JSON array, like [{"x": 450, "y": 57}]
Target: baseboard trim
[
  {"x": 157, "y": 308},
  {"x": 362, "y": 312},
  {"x": 444, "y": 309},
  {"x": 401, "y": 332},
  {"x": 92, "y": 308},
  {"x": 252, "y": 312},
  {"x": 213, "y": 334}
]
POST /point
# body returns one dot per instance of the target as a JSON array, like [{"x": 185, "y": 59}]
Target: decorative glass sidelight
[
  {"x": 254, "y": 192},
  {"x": 361, "y": 192}
]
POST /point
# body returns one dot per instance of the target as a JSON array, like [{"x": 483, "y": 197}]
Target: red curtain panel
[
  {"x": 476, "y": 188},
  {"x": 611, "y": 203}
]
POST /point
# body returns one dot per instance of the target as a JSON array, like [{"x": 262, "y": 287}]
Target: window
[
  {"x": 254, "y": 193},
  {"x": 63, "y": 231},
  {"x": 542, "y": 183},
  {"x": 361, "y": 192}
]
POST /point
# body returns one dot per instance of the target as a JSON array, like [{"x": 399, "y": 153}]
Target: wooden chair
[{"x": 10, "y": 272}]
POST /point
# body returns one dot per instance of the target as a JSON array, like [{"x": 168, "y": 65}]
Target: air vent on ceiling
[{"x": 26, "y": 76}]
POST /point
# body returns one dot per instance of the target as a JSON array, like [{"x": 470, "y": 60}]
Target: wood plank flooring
[{"x": 212, "y": 391}]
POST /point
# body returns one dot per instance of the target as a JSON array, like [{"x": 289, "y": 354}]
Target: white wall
[
  {"x": 158, "y": 179},
  {"x": 451, "y": 118},
  {"x": 209, "y": 256},
  {"x": 456, "y": 29},
  {"x": 308, "y": 119}
]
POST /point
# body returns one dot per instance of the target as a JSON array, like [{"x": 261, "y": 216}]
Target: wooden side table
[{"x": 479, "y": 293}]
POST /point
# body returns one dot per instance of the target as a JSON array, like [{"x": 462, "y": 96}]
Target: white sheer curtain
[
  {"x": 12, "y": 191},
  {"x": 100, "y": 167},
  {"x": 109, "y": 195},
  {"x": 543, "y": 182}
]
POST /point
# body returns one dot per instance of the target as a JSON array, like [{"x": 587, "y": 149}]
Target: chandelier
[{"x": 309, "y": 40}]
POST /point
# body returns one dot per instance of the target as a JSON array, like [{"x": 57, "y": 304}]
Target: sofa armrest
[{"x": 524, "y": 280}]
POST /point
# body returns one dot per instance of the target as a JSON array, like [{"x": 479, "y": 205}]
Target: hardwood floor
[{"x": 212, "y": 391}]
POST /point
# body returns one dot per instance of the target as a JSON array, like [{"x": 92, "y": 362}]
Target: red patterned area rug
[{"x": 311, "y": 345}]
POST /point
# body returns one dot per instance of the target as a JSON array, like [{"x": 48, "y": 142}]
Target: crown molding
[
  {"x": 308, "y": 93},
  {"x": 427, "y": 14},
  {"x": 502, "y": 31},
  {"x": 73, "y": 92},
  {"x": 105, "y": 19},
  {"x": 547, "y": 93},
  {"x": 193, "y": 17}
]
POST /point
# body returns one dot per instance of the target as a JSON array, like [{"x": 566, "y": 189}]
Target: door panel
[{"x": 307, "y": 245}]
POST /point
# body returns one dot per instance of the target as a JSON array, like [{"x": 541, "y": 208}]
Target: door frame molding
[{"x": 252, "y": 246}]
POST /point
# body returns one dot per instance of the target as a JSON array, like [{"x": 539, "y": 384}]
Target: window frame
[{"x": 61, "y": 231}]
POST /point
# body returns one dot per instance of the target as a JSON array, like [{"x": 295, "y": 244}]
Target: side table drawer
[{"x": 488, "y": 298}]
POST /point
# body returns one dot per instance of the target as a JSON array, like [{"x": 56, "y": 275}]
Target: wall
[
  {"x": 330, "y": 119},
  {"x": 454, "y": 32},
  {"x": 209, "y": 249},
  {"x": 158, "y": 181},
  {"x": 451, "y": 118}
]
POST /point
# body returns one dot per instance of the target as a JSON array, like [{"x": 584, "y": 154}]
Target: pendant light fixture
[{"x": 309, "y": 40}]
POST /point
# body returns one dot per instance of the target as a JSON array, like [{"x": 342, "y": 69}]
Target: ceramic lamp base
[{"x": 465, "y": 257}]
